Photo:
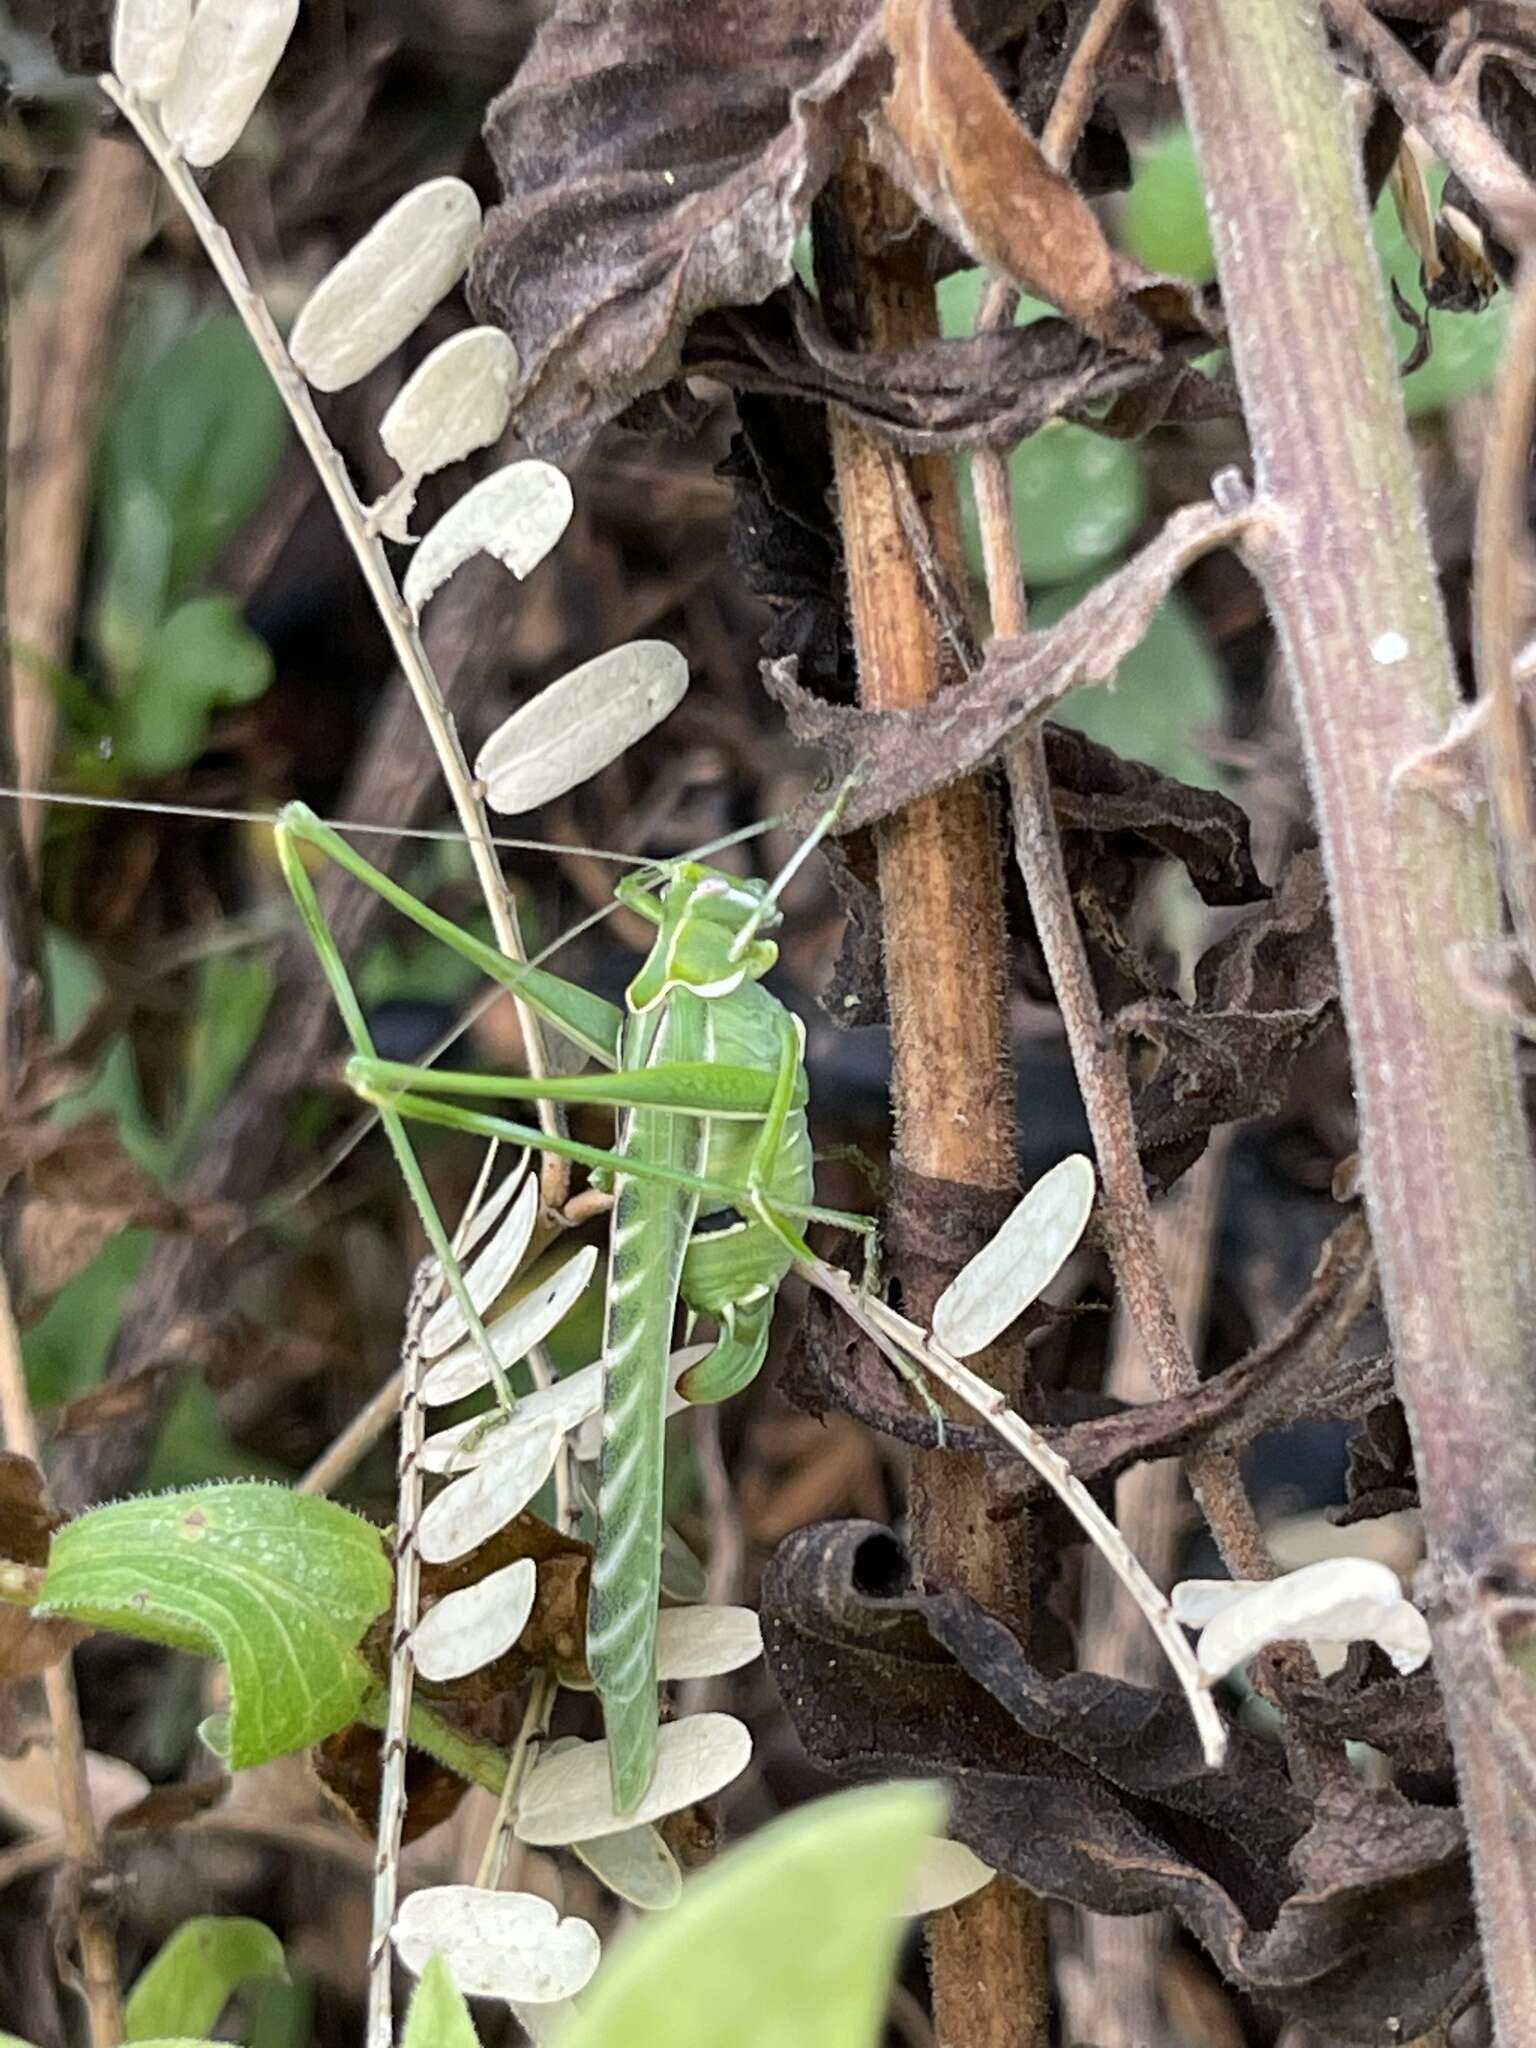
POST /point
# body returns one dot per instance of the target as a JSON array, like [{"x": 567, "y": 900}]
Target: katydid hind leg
[
  {"x": 349, "y": 1004},
  {"x": 590, "y": 1020}
]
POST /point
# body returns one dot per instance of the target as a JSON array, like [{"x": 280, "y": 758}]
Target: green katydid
[{"x": 707, "y": 1073}]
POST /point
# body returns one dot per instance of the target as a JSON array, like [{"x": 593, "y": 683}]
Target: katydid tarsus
[{"x": 706, "y": 1071}]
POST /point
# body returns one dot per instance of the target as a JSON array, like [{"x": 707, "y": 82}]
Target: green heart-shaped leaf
[{"x": 281, "y": 1586}]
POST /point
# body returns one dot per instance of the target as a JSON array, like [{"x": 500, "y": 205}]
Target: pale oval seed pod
[
  {"x": 1341, "y": 1600},
  {"x": 473, "y": 1508},
  {"x": 384, "y": 288},
  {"x": 569, "y": 1799},
  {"x": 493, "y": 1208},
  {"x": 457, "y": 401},
  {"x": 463, "y": 1370},
  {"x": 466, "y": 1630},
  {"x": 697, "y": 1642},
  {"x": 516, "y": 515},
  {"x": 705, "y": 1642},
  {"x": 579, "y": 724},
  {"x": 485, "y": 1279},
  {"x": 148, "y": 37},
  {"x": 636, "y": 1866},
  {"x": 1020, "y": 1260},
  {"x": 231, "y": 50},
  {"x": 1195, "y": 1602},
  {"x": 946, "y": 1872},
  {"x": 508, "y": 1945}
]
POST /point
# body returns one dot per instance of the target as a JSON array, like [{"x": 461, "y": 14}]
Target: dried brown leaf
[
  {"x": 956, "y": 145},
  {"x": 656, "y": 161},
  {"x": 28, "y": 1645},
  {"x": 1352, "y": 1917},
  {"x": 172, "y": 1806},
  {"x": 78, "y": 1190},
  {"x": 907, "y": 754},
  {"x": 347, "y": 1765},
  {"x": 946, "y": 394},
  {"x": 1263, "y": 993}
]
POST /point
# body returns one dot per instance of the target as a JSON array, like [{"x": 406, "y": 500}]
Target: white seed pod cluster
[
  {"x": 579, "y": 724},
  {"x": 636, "y": 1865},
  {"x": 1340, "y": 1600},
  {"x": 1018, "y": 1262},
  {"x": 386, "y": 285},
  {"x": 225, "y": 63},
  {"x": 508, "y": 1945}
]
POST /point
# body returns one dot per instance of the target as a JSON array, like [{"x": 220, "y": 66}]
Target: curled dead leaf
[
  {"x": 1354, "y": 1915},
  {"x": 956, "y": 145}
]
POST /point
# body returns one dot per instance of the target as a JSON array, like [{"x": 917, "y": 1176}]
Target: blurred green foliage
[{"x": 192, "y": 444}]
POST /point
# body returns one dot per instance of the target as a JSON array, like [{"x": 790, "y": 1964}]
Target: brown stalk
[
  {"x": 1347, "y": 570},
  {"x": 108, "y": 217},
  {"x": 941, "y": 894},
  {"x": 19, "y": 985}
]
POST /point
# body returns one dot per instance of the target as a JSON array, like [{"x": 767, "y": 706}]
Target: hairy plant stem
[
  {"x": 946, "y": 974},
  {"x": 368, "y": 550},
  {"x": 1345, "y": 563}
]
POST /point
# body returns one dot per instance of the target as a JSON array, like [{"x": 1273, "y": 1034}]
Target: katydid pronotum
[{"x": 706, "y": 1069}]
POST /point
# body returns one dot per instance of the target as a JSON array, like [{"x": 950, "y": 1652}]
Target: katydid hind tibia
[{"x": 708, "y": 1079}]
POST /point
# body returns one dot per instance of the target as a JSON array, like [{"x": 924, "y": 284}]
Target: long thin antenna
[
  {"x": 793, "y": 865},
  {"x": 361, "y": 828}
]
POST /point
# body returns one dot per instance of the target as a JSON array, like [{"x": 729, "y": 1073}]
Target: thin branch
[
  {"x": 82, "y": 1838},
  {"x": 108, "y": 215},
  {"x": 946, "y": 971},
  {"x": 1097, "y": 1060},
  {"x": 1450, "y": 127},
  {"x": 1075, "y": 96},
  {"x": 368, "y": 550},
  {"x": 905, "y": 1345},
  {"x": 402, "y": 1667}
]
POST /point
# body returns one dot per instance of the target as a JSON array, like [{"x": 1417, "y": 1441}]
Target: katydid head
[{"x": 701, "y": 916}]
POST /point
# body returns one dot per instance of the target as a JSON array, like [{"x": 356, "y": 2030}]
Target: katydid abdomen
[{"x": 650, "y": 1228}]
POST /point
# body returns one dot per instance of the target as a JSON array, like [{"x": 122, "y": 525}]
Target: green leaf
[
  {"x": 1164, "y": 224},
  {"x": 281, "y": 1586},
  {"x": 1077, "y": 499},
  {"x": 66, "y": 1349},
  {"x": 789, "y": 1938},
  {"x": 196, "y": 1973},
  {"x": 1164, "y": 221},
  {"x": 438, "y": 2017},
  {"x": 1167, "y": 697},
  {"x": 233, "y": 992},
  {"x": 202, "y": 657},
  {"x": 200, "y": 432}
]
